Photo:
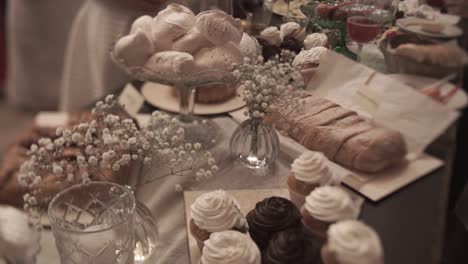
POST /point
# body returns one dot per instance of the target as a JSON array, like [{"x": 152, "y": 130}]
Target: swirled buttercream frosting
[
  {"x": 309, "y": 58},
  {"x": 292, "y": 30},
  {"x": 230, "y": 247},
  {"x": 292, "y": 246},
  {"x": 217, "y": 211},
  {"x": 353, "y": 242},
  {"x": 315, "y": 40},
  {"x": 271, "y": 35},
  {"x": 330, "y": 204},
  {"x": 272, "y": 215},
  {"x": 312, "y": 167}
]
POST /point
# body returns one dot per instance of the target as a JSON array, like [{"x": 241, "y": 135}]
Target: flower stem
[{"x": 254, "y": 141}]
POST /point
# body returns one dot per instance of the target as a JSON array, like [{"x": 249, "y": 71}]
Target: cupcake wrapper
[
  {"x": 314, "y": 226},
  {"x": 201, "y": 235},
  {"x": 201, "y": 245},
  {"x": 327, "y": 256},
  {"x": 296, "y": 198},
  {"x": 300, "y": 187}
]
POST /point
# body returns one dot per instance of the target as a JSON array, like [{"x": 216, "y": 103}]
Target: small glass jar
[{"x": 255, "y": 144}]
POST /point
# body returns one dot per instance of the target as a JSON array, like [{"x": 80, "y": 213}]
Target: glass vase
[{"x": 255, "y": 144}]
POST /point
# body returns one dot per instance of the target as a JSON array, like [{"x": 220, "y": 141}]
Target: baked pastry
[
  {"x": 215, "y": 93},
  {"x": 134, "y": 49},
  {"x": 292, "y": 30},
  {"x": 308, "y": 171},
  {"x": 326, "y": 205},
  {"x": 230, "y": 247},
  {"x": 215, "y": 212},
  {"x": 310, "y": 58},
  {"x": 352, "y": 242},
  {"x": 292, "y": 246},
  {"x": 271, "y": 35},
  {"x": 249, "y": 47},
  {"x": 192, "y": 42},
  {"x": 219, "y": 27},
  {"x": 170, "y": 24},
  {"x": 341, "y": 134},
  {"x": 290, "y": 36},
  {"x": 315, "y": 40},
  {"x": 437, "y": 54},
  {"x": 143, "y": 23},
  {"x": 11, "y": 191},
  {"x": 270, "y": 216},
  {"x": 170, "y": 64},
  {"x": 218, "y": 57}
]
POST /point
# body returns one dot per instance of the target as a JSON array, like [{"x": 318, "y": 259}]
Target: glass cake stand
[{"x": 197, "y": 129}]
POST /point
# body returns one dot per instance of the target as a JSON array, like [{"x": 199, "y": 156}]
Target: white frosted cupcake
[
  {"x": 352, "y": 242},
  {"x": 315, "y": 40},
  {"x": 215, "y": 212},
  {"x": 326, "y": 205},
  {"x": 309, "y": 171},
  {"x": 230, "y": 247}
]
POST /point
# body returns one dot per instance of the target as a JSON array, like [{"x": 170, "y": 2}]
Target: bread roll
[{"x": 342, "y": 135}]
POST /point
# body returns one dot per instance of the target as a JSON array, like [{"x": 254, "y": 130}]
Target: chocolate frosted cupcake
[
  {"x": 230, "y": 247},
  {"x": 215, "y": 212},
  {"x": 352, "y": 242},
  {"x": 292, "y": 246},
  {"x": 271, "y": 216}
]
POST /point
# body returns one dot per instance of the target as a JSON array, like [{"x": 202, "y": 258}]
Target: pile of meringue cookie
[{"x": 177, "y": 43}]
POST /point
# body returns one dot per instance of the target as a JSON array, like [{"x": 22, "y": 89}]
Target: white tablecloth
[{"x": 168, "y": 206}]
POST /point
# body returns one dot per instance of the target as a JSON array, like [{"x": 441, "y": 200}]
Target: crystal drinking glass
[
  {"x": 94, "y": 223},
  {"x": 363, "y": 29}
]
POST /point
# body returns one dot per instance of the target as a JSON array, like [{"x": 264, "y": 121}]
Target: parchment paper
[{"x": 386, "y": 102}]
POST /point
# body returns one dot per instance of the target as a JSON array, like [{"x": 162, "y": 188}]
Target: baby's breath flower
[
  {"x": 266, "y": 83},
  {"x": 59, "y": 131},
  {"x": 33, "y": 148},
  {"x": 197, "y": 146},
  {"x": 116, "y": 167},
  {"x": 211, "y": 161},
  {"x": 92, "y": 160},
  {"x": 110, "y": 142},
  {"x": 76, "y": 137},
  {"x": 57, "y": 169}
]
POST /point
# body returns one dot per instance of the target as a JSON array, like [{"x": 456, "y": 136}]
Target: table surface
[{"x": 410, "y": 222}]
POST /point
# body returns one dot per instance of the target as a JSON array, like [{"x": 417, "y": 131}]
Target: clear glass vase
[{"x": 255, "y": 144}]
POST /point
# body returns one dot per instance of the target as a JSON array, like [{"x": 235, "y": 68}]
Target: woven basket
[{"x": 401, "y": 64}]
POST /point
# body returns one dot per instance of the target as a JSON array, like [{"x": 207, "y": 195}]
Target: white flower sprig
[
  {"x": 265, "y": 84},
  {"x": 107, "y": 144}
]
